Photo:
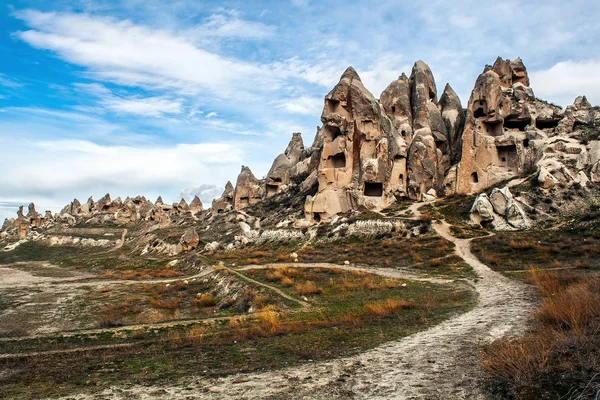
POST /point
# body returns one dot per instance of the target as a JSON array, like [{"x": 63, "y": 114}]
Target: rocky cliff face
[
  {"x": 370, "y": 152},
  {"x": 509, "y": 132}
]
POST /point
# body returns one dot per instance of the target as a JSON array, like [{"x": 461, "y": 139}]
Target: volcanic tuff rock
[
  {"x": 248, "y": 189},
  {"x": 283, "y": 167},
  {"x": 370, "y": 152},
  {"x": 225, "y": 202}
]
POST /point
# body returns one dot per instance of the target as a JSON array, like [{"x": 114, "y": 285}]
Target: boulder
[
  {"x": 516, "y": 217},
  {"x": 500, "y": 198},
  {"x": 482, "y": 210},
  {"x": 189, "y": 240}
]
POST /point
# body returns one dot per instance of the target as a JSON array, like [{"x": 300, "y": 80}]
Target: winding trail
[{"x": 438, "y": 363}]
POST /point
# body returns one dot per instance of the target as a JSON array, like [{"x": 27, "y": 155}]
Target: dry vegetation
[
  {"x": 551, "y": 249},
  {"x": 349, "y": 311},
  {"x": 560, "y": 356}
]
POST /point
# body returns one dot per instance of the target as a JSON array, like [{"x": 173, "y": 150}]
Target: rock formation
[
  {"x": 283, "y": 167},
  {"x": 509, "y": 131},
  {"x": 248, "y": 190},
  {"x": 370, "y": 152},
  {"x": 225, "y": 202},
  {"x": 375, "y": 151},
  {"x": 196, "y": 205}
]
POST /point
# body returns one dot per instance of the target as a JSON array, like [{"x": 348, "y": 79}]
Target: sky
[{"x": 171, "y": 98}]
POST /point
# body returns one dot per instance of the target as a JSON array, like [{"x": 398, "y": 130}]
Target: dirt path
[
  {"x": 439, "y": 363},
  {"x": 385, "y": 272}
]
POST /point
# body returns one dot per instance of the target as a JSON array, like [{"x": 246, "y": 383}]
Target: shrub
[
  {"x": 195, "y": 334},
  {"x": 308, "y": 288},
  {"x": 387, "y": 307},
  {"x": 206, "y": 300},
  {"x": 559, "y": 357}
]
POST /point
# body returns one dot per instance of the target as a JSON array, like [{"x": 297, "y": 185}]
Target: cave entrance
[
  {"x": 272, "y": 189},
  {"x": 519, "y": 124},
  {"x": 474, "y": 178},
  {"x": 373, "y": 189},
  {"x": 244, "y": 201},
  {"x": 332, "y": 105},
  {"x": 336, "y": 161},
  {"x": 480, "y": 109},
  {"x": 493, "y": 128},
  {"x": 333, "y": 131},
  {"x": 507, "y": 156},
  {"x": 317, "y": 217},
  {"x": 546, "y": 124}
]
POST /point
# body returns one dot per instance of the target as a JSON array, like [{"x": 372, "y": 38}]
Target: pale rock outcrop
[
  {"x": 182, "y": 206},
  {"x": 454, "y": 118},
  {"x": 500, "y": 210},
  {"x": 189, "y": 240},
  {"x": 500, "y": 198},
  {"x": 545, "y": 179},
  {"x": 429, "y": 154},
  {"x": 282, "y": 168},
  {"x": 196, "y": 205},
  {"x": 353, "y": 166},
  {"x": 225, "y": 202},
  {"x": 495, "y": 143},
  {"x": 482, "y": 209},
  {"x": 248, "y": 190},
  {"x": 516, "y": 217},
  {"x": 104, "y": 204}
]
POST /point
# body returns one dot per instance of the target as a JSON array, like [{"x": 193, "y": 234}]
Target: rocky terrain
[{"x": 352, "y": 257}]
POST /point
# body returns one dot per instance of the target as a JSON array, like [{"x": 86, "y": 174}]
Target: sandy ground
[{"x": 438, "y": 363}]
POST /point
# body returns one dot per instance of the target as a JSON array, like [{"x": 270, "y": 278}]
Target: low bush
[{"x": 560, "y": 356}]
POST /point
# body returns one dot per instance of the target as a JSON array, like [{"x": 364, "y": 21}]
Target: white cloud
[
  {"x": 305, "y": 105},
  {"x": 230, "y": 26},
  {"x": 9, "y": 82},
  {"x": 126, "y": 53},
  {"x": 211, "y": 114},
  {"x": 566, "y": 80},
  {"x": 206, "y": 193},
  {"x": 150, "y": 106},
  {"x": 72, "y": 166}
]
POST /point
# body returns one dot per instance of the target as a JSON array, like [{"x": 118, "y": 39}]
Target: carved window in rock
[
  {"x": 244, "y": 201},
  {"x": 546, "y": 124},
  {"x": 507, "y": 156},
  {"x": 373, "y": 189},
  {"x": 493, "y": 128},
  {"x": 333, "y": 132},
  {"x": 336, "y": 161},
  {"x": 480, "y": 109},
  {"x": 332, "y": 105},
  {"x": 518, "y": 124},
  {"x": 474, "y": 178},
  {"x": 272, "y": 189}
]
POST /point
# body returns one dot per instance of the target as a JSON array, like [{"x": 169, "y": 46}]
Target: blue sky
[{"x": 135, "y": 97}]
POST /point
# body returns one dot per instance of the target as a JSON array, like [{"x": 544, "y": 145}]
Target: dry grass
[
  {"x": 195, "y": 334},
  {"x": 564, "y": 337},
  {"x": 169, "y": 304},
  {"x": 387, "y": 307},
  {"x": 206, "y": 300},
  {"x": 572, "y": 309},
  {"x": 488, "y": 258},
  {"x": 308, "y": 288},
  {"x": 522, "y": 244},
  {"x": 286, "y": 282}
]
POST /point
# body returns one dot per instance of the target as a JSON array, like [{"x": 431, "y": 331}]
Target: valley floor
[{"x": 441, "y": 362}]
